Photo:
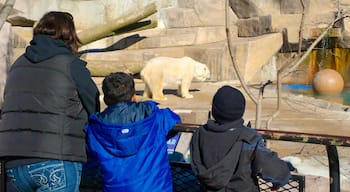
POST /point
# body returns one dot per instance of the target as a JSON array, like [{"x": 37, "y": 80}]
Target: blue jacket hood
[
  {"x": 132, "y": 155},
  {"x": 124, "y": 128},
  {"x": 126, "y": 112}
]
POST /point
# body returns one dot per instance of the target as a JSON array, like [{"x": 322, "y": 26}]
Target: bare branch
[{"x": 301, "y": 29}]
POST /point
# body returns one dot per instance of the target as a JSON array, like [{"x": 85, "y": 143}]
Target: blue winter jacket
[{"x": 128, "y": 140}]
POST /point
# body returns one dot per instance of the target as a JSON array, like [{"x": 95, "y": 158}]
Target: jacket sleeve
[
  {"x": 170, "y": 119},
  {"x": 269, "y": 166},
  {"x": 87, "y": 90}
]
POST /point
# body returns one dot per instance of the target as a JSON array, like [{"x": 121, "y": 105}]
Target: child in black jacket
[{"x": 228, "y": 156}]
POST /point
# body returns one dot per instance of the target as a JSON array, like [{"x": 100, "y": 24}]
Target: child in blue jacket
[{"x": 128, "y": 139}]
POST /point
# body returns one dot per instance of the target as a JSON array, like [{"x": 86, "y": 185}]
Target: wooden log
[{"x": 98, "y": 32}]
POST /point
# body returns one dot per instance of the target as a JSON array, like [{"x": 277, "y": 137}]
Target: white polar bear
[{"x": 161, "y": 71}]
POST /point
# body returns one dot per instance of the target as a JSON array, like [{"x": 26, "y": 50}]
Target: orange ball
[{"x": 328, "y": 81}]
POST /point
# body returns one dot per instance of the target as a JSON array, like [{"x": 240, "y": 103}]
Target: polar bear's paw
[
  {"x": 187, "y": 96},
  {"x": 159, "y": 98}
]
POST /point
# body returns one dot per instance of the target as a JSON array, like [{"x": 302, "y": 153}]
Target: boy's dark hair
[{"x": 118, "y": 87}]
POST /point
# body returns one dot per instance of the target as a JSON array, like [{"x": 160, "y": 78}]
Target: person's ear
[{"x": 133, "y": 98}]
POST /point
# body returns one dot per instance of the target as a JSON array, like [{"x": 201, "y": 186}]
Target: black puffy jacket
[{"x": 48, "y": 96}]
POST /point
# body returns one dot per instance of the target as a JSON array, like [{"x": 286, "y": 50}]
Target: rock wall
[
  {"x": 6, "y": 55},
  {"x": 253, "y": 17},
  {"x": 196, "y": 28}
]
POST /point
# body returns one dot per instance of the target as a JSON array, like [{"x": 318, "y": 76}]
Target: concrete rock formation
[
  {"x": 197, "y": 28},
  {"x": 6, "y": 54}
]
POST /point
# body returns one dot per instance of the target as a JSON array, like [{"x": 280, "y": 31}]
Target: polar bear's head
[{"x": 201, "y": 72}]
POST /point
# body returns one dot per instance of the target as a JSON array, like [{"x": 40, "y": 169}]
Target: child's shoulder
[{"x": 250, "y": 134}]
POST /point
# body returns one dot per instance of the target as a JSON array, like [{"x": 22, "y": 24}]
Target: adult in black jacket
[
  {"x": 48, "y": 96},
  {"x": 228, "y": 156}
]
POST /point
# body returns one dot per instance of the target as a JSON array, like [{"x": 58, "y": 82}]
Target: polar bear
[{"x": 161, "y": 71}]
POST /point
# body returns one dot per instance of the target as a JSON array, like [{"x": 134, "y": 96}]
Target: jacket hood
[
  {"x": 126, "y": 137},
  {"x": 217, "y": 175},
  {"x": 126, "y": 112},
  {"x": 212, "y": 169},
  {"x": 132, "y": 156},
  {"x": 43, "y": 47}
]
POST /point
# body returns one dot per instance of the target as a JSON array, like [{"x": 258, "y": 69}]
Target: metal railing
[
  {"x": 329, "y": 141},
  {"x": 184, "y": 180}
]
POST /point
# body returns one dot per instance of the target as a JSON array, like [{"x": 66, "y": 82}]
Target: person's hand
[{"x": 274, "y": 187}]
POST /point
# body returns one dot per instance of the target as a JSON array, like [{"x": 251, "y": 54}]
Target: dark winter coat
[
  {"x": 229, "y": 157},
  {"x": 48, "y": 96}
]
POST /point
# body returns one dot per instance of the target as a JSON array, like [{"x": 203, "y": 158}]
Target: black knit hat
[{"x": 228, "y": 104}]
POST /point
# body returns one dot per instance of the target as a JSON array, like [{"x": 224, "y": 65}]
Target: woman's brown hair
[{"x": 59, "y": 25}]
